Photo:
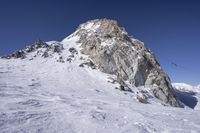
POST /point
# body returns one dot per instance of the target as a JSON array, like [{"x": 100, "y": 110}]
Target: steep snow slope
[{"x": 46, "y": 95}]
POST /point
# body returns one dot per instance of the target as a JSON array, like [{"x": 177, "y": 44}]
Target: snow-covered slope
[
  {"x": 54, "y": 88},
  {"x": 43, "y": 95}
]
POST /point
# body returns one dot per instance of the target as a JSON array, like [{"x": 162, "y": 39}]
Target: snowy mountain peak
[
  {"x": 107, "y": 31},
  {"x": 94, "y": 80},
  {"x": 103, "y": 45},
  {"x": 115, "y": 52}
]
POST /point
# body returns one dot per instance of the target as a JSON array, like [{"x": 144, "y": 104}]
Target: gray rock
[
  {"x": 60, "y": 59},
  {"x": 142, "y": 98},
  {"x": 89, "y": 64},
  {"x": 45, "y": 54},
  {"x": 73, "y": 51},
  {"x": 113, "y": 51},
  {"x": 18, "y": 54},
  {"x": 56, "y": 47}
]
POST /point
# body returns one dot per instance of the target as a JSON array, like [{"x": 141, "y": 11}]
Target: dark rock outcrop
[{"x": 37, "y": 46}]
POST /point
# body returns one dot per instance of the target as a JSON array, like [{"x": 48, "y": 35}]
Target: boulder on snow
[{"x": 142, "y": 98}]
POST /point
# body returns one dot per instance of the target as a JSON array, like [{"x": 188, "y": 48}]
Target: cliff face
[{"x": 113, "y": 51}]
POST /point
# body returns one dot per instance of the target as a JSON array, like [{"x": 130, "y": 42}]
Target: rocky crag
[{"x": 114, "y": 51}]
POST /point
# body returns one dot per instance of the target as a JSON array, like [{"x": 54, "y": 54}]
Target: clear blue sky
[{"x": 170, "y": 28}]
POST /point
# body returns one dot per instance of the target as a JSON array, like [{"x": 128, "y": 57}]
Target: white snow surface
[
  {"x": 90, "y": 26},
  {"x": 42, "y": 95}
]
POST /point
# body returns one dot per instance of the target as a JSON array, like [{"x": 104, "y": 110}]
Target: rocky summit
[{"x": 114, "y": 51}]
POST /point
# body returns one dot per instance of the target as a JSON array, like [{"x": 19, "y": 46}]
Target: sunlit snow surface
[{"x": 46, "y": 96}]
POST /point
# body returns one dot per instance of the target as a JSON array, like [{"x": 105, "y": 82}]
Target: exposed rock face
[{"x": 113, "y": 51}]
